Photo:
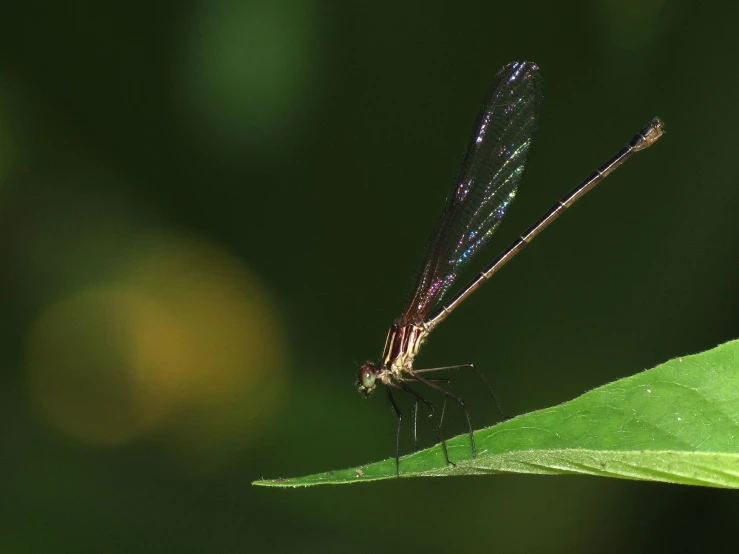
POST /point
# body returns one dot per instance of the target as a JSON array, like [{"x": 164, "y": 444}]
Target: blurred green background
[{"x": 210, "y": 213}]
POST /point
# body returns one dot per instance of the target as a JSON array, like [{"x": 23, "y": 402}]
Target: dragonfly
[{"x": 486, "y": 185}]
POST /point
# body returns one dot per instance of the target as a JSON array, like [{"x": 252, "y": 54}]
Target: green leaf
[{"x": 676, "y": 423}]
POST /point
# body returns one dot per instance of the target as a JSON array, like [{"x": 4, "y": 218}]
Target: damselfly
[{"x": 486, "y": 185}]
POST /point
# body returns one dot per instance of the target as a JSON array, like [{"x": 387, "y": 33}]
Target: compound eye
[{"x": 367, "y": 376}]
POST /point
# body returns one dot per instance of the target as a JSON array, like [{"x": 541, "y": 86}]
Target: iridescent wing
[{"x": 491, "y": 170}]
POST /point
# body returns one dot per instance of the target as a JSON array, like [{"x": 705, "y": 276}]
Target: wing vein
[{"x": 487, "y": 182}]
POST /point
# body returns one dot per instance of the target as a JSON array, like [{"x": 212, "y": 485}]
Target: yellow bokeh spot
[
  {"x": 81, "y": 364},
  {"x": 186, "y": 341}
]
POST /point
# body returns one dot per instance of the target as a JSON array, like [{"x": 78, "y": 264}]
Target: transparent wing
[{"x": 491, "y": 170}]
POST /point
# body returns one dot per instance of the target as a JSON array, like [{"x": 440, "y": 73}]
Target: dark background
[{"x": 210, "y": 213}]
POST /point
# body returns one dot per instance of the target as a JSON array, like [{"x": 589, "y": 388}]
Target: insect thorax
[{"x": 401, "y": 346}]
